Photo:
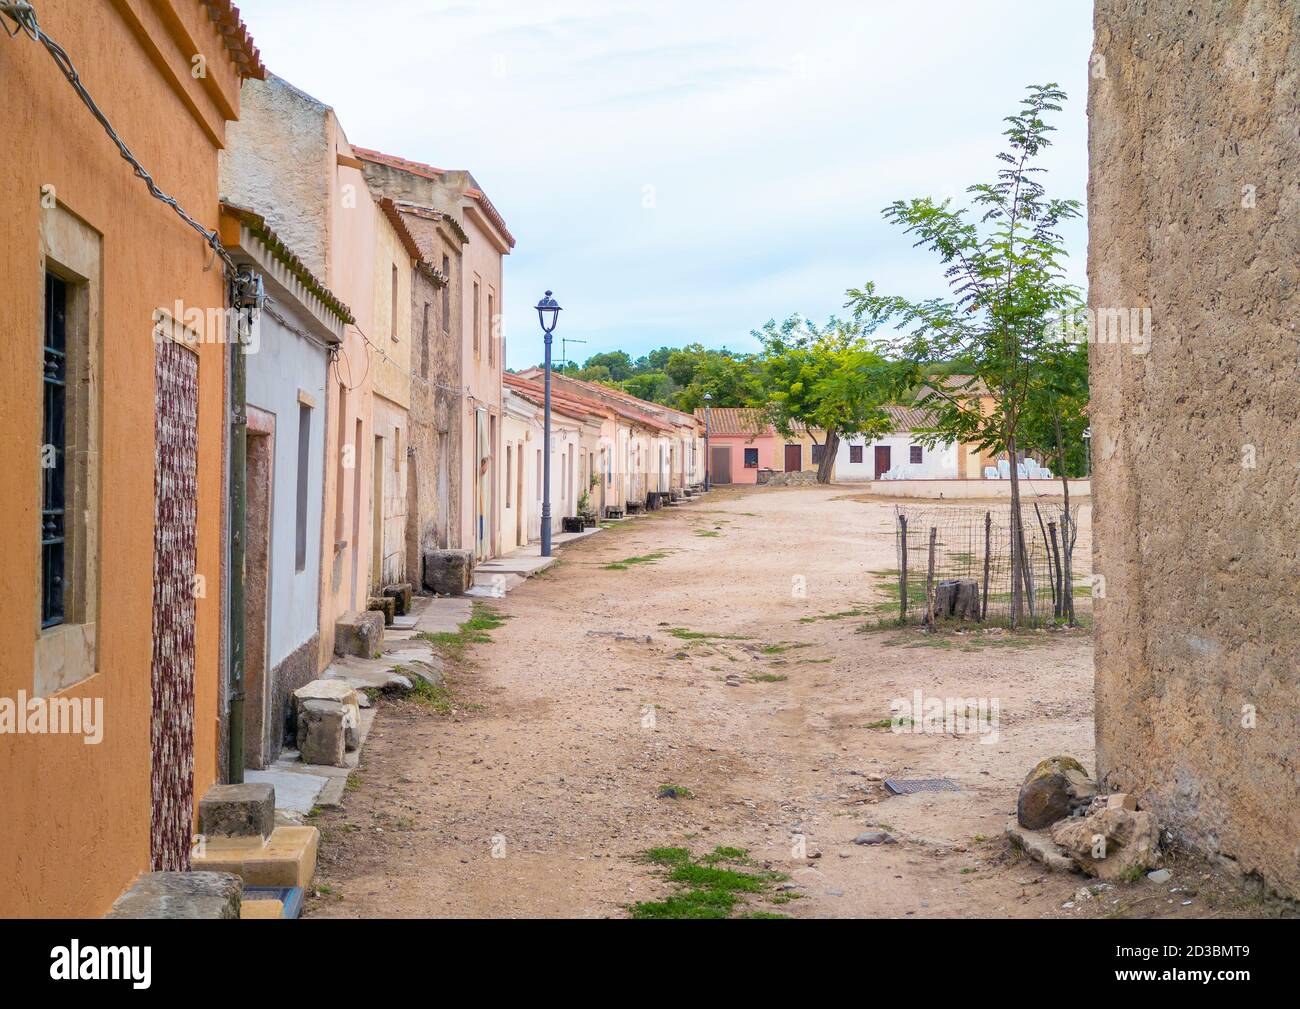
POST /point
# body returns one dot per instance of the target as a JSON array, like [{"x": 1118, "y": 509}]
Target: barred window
[{"x": 54, "y": 450}]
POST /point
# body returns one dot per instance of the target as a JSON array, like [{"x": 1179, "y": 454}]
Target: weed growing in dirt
[
  {"x": 841, "y": 615},
  {"x": 711, "y": 886},
  {"x": 768, "y": 677},
  {"x": 670, "y": 791},
  {"x": 628, "y": 562},
  {"x": 685, "y": 635},
  {"x": 710, "y": 533},
  {"x": 474, "y": 631}
]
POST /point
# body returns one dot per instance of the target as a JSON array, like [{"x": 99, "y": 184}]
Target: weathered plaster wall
[
  {"x": 76, "y": 817},
  {"x": 1194, "y": 212}
]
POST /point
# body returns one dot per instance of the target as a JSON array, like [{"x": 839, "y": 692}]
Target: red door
[
  {"x": 793, "y": 458},
  {"x": 882, "y": 460}
]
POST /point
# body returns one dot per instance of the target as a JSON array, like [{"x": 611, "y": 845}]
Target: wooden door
[
  {"x": 793, "y": 458},
  {"x": 721, "y": 464},
  {"x": 882, "y": 460}
]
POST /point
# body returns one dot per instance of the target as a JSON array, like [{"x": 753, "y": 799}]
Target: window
[
  {"x": 477, "y": 333},
  {"x": 393, "y": 316},
  {"x": 446, "y": 295},
  {"x": 539, "y": 474},
  {"x": 916, "y": 454},
  {"x": 818, "y": 451},
  {"x": 304, "y": 455},
  {"x": 509, "y": 473},
  {"x": 64, "y": 580},
  {"x": 492, "y": 326},
  {"x": 54, "y": 450},
  {"x": 751, "y": 458},
  {"x": 855, "y": 453}
]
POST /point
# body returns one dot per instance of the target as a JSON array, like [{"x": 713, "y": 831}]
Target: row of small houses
[
  {"x": 229, "y": 432},
  {"x": 745, "y": 447}
]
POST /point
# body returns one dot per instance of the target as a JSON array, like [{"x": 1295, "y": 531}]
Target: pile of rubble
[{"x": 1064, "y": 823}]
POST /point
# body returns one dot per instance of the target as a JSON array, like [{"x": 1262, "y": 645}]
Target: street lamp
[
  {"x": 708, "y": 461},
  {"x": 548, "y": 314}
]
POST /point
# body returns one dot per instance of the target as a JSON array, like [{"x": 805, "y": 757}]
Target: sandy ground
[{"x": 553, "y": 761}]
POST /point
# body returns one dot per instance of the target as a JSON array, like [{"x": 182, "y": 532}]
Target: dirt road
[{"x": 535, "y": 795}]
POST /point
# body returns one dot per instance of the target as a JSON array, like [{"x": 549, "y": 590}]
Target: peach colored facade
[{"x": 76, "y": 826}]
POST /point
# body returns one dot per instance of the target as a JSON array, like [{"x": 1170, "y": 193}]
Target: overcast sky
[{"x": 684, "y": 171}]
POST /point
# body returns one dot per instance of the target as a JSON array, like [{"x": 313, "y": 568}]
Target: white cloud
[{"x": 772, "y": 135}]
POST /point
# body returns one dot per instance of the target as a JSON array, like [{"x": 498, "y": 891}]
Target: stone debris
[
  {"x": 1160, "y": 876},
  {"x": 449, "y": 572},
  {"x": 1112, "y": 843},
  {"x": 875, "y": 837},
  {"x": 1037, "y": 845}
]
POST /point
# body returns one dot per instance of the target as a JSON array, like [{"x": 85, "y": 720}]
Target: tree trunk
[
  {"x": 1017, "y": 598},
  {"x": 827, "y": 464},
  {"x": 1067, "y": 525}
]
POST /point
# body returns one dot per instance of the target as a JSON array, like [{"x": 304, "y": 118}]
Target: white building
[{"x": 899, "y": 455}]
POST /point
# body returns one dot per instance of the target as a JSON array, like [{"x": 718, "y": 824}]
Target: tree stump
[{"x": 957, "y": 599}]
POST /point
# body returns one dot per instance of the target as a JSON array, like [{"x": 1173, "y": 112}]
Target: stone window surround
[{"x": 66, "y": 653}]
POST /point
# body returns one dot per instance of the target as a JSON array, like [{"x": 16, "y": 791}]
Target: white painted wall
[{"x": 938, "y": 463}]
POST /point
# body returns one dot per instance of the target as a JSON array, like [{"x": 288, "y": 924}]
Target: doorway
[
  {"x": 259, "y": 470},
  {"x": 720, "y": 464},
  {"x": 882, "y": 460},
  {"x": 793, "y": 458}
]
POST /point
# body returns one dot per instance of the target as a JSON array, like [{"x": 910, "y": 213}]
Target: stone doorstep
[
  {"x": 261, "y": 909},
  {"x": 287, "y": 859},
  {"x": 242, "y": 811},
  {"x": 196, "y": 894}
]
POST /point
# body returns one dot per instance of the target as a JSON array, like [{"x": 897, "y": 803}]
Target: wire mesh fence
[{"x": 956, "y": 565}]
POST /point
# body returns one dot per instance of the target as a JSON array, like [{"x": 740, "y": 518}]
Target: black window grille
[{"x": 53, "y": 454}]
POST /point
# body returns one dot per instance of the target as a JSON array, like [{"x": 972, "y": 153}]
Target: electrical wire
[{"x": 24, "y": 16}]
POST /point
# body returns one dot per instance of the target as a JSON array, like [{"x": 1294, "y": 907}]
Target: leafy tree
[
  {"x": 823, "y": 379},
  {"x": 1007, "y": 287},
  {"x": 617, "y": 362}
]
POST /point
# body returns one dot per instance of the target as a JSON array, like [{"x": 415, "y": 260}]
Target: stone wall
[{"x": 1194, "y": 214}]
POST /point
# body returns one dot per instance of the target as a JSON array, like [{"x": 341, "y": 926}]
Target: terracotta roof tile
[
  {"x": 239, "y": 44},
  {"x": 737, "y": 420}
]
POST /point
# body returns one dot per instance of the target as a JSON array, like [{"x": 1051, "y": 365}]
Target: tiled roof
[
  {"x": 403, "y": 233},
  {"x": 535, "y": 393},
  {"x": 737, "y": 420},
  {"x": 414, "y": 167},
  {"x": 234, "y": 33},
  {"x": 909, "y": 418},
  {"x": 629, "y": 407}
]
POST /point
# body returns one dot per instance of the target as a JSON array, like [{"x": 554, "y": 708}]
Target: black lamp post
[
  {"x": 708, "y": 461},
  {"x": 548, "y": 313}
]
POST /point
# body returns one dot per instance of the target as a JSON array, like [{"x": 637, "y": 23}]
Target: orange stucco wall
[{"x": 75, "y": 823}]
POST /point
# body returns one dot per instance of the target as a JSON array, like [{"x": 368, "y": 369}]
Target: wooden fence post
[
  {"x": 902, "y": 570},
  {"x": 988, "y": 551},
  {"x": 929, "y": 582}
]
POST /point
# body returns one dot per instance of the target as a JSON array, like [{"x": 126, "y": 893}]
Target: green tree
[
  {"x": 1007, "y": 287},
  {"x": 617, "y": 362},
  {"x": 826, "y": 379}
]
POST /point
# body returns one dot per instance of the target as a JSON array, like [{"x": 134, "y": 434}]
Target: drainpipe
[{"x": 246, "y": 295}]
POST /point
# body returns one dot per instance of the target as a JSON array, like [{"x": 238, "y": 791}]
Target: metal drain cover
[{"x": 910, "y": 785}]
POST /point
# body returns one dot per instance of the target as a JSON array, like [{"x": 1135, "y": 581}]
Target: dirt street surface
[{"x": 536, "y": 793}]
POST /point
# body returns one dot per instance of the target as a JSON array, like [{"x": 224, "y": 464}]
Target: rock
[
  {"x": 1051, "y": 791},
  {"x": 359, "y": 634},
  {"x": 334, "y": 690},
  {"x": 1160, "y": 876},
  {"x": 246, "y": 810},
  {"x": 322, "y": 737},
  {"x": 181, "y": 895},
  {"x": 1126, "y": 841},
  {"x": 449, "y": 572},
  {"x": 1038, "y": 846},
  {"x": 875, "y": 837},
  {"x": 401, "y": 593},
  {"x": 1121, "y": 800}
]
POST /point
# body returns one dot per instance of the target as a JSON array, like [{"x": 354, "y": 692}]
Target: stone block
[
  {"x": 246, "y": 810},
  {"x": 402, "y": 594},
  {"x": 449, "y": 572},
  {"x": 322, "y": 732},
  {"x": 359, "y": 634},
  {"x": 288, "y": 858},
  {"x": 200, "y": 894},
  {"x": 385, "y": 605},
  {"x": 334, "y": 690}
]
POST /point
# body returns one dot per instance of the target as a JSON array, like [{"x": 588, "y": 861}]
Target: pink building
[{"x": 741, "y": 442}]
